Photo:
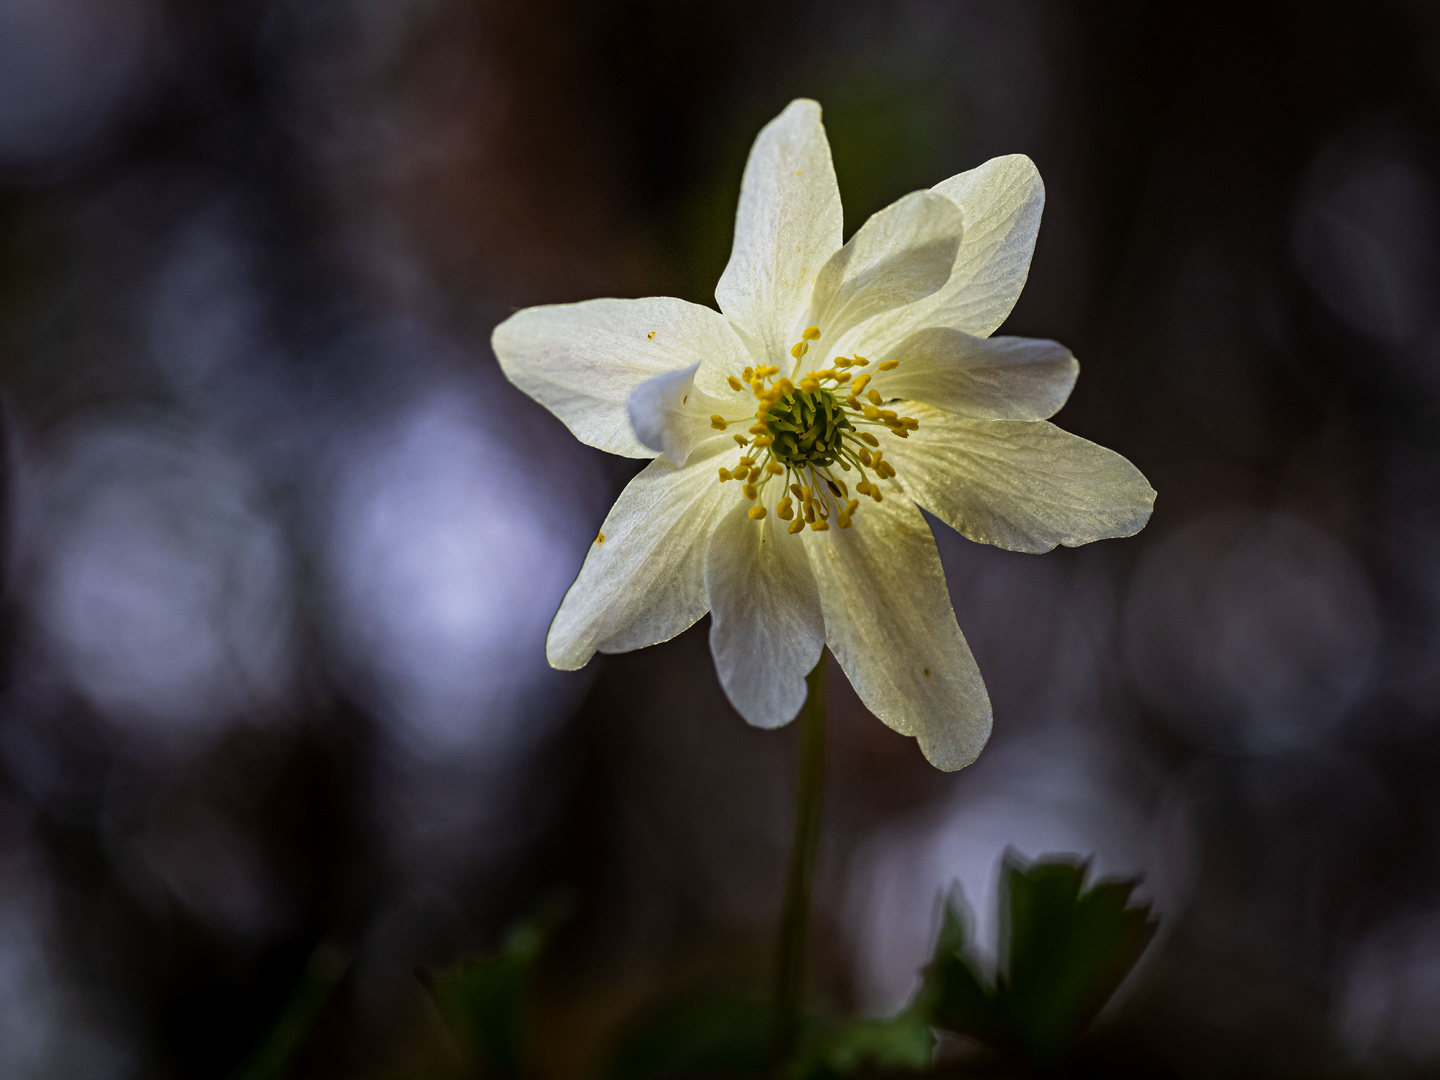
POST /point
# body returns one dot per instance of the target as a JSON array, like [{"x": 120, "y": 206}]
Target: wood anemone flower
[{"x": 785, "y": 488}]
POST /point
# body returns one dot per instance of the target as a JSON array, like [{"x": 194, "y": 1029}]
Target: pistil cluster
[{"x": 803, "y": 430}]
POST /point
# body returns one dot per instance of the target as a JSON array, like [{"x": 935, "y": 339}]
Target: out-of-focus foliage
[{"x": 1064, "y": 949}]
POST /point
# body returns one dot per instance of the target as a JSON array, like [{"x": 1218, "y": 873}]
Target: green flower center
[{"x": 807, "y": 429}]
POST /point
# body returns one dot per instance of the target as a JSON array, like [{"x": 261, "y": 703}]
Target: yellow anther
[
  {"x": 860, "y": 361},
  {"x": 785, "y": 508},
  {"x": 757, "y": 429},
  {"x": 825, "y": 373},
  {"x": 766, "y": 372},
  {"x": 746, "y": 460},
  {"x": 774, "y": 468},
  {"x": 842, "y": 519},
  {"x": 843, "y": 378},
  {"x": 871, "y": 413},
  {"x": 742, "y": 441},
  {"x": 735, "y": 384},
  {"x": 900, "y": 431},
  {"x": 750, "y": 492},
  {"x": 863, "y": 487},
  {"x": 748, "y": 374},
  {"x": 861, "y": 381},
  {"x": 863, "y": 455},
  {"x": 724, "y": 474},
  {"x": 874, "y": 396},
  {"x": 806, "y": 493},
  {"x": 798, "y": 492},
  {"x": 718, "y": 422},
  {"x": 785, "y": 386},
  {"x": 910, "y": 422},
  {"x": 871, "y": 439},
  {"x": 875, "y": 493},
  {"x": 757, "y": 386},
  {"x": 799, "y": 349},
  {"x": 764, "y": 440},
  {"x": 889, "y": 415},
  {"x": 852, "y": 506},
  {"x": 853, "y": 401},
  {"x": 812, "y": 333},
  {"x": 809, "y": 511},
  {"x": 796, "y": 526},
  {"x": 820, "y": 526},
  {"x": 809, "y": 385},
  {"x": 757, "y": 513},
  {"x": 888, "y": 365},
  {"x": 841, "y": 362}
]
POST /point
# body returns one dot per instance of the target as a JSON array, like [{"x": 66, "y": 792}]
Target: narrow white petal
[
  {"x": 788, "y": 224},
  {"x": 1002, "y": 201},
  {"x": 766, "y": 629},
  {"x": 903, "y": 253},
  {"x": 1003, "y": 378},
  {"x": 889, "y": 622},
  {"x": 672, "y": 417},
  {"x": 583, "y": 361},
  {"x": 1017, "y": 485},
  {"x": 645, "y": 582}
]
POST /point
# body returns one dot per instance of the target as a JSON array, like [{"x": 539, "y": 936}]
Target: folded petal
[
  {"x": 644, "y": 579},
  {"x": 1017, "y": 485},
  {"x": 1001, "y": 201},
  {"x": 1004, "y": 378},
  {"x": 889, "y": 622},
  {"x": 789, "y": 222},
  {"x": 671, "y": 416},
  {"x": 903, "y": 253},
  {"x": 766, "y": 629},
  {"x": 583, "y": 361}
]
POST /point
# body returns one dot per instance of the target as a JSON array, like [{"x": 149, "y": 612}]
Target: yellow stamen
[
  {"x": 841, "y": 362},
  {"x": 812, "y": 333},
  {"x": 718, "y": 422},
  {"x": 724, "y": 474},
  {"x": 874, "y": 396},
  {"x": 875, "y": 493},
  {"x": 872, "y": 413},
  {"x": 774, "y": 468},
  {"x": 860, "y": 361},
  {"x": 820, "y": 526},
  {"x": 757, "y": 429},
  {"x": 735, "y": 384},
  {"x": 785, "y": 386},
  {"x": 764, "y": 440},
  {"x": 785, "y": 508},
  {"x": 796, "y": 526},
  {"x": 742, "y": 441},
  {"x": 750, "y": 492},
  {"x": 871, "y": 439},
  {"x": 757, "y": 513},
  {"x": 799, "y": 349},
  {"x": 861, "y": 381},
  {"x": 888, "y": 365},
  {"x": 748, "y": 374}
]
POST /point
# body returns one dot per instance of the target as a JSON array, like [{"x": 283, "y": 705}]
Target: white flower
[{"x": 917, "y": 405}]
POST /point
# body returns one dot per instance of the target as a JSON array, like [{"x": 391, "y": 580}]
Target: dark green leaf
[
  {"x": 905, "y": 1043},
  {"x": 1064, "y": 950},
  {"x": 717, "y": 1035},
  {"x": 485, "y": 1002}
]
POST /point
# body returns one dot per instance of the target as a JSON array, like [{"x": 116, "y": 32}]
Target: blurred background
[{"x": 281, "y": 545}]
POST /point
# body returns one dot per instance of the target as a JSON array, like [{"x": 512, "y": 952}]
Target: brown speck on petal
[
  {"x": 600, "y": 539},
  {"x": 927, "y": 670}
]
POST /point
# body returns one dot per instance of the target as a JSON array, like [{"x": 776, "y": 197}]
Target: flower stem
[{"x": 790, "y": 953}]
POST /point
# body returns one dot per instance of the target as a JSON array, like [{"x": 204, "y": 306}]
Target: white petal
[
  {"x": 645, "y": 582},
  {"x": 903, "y": 253},
  {"x": 671, "y": 416},
  {"x": 788, "y": 223},
  {"x": 766, "y": 631},
  {"x": 889, "y": 622},
  {"x": 1017, "y": 485},
  {"x": 1004, "y": 378},
  {"x": 1002, "y": 201},
  {"x": 583, "y": 361}
]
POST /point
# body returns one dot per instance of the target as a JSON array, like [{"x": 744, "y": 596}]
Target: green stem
[{"x": 790, "y": 954}]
